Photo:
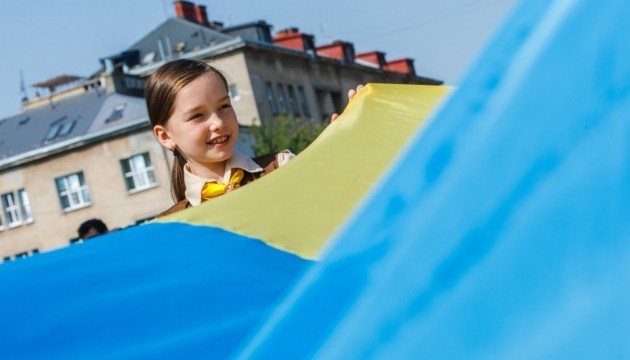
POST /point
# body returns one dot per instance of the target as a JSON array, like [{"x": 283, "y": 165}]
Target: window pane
[
  {"x": 25, "y": 204},
  {"x": 282, "y": 98},
  {"x": 65, "y": 203},
  {"x": 11, "y": 211},
  {"x": 129, "y": 183},
  {"x": 61, "y": 184},
  {"x": 305, "y": 109},
  {"x": 271, "y": 99},
  {"x": 124, "y": 163},
  {"x": 151, "y": 176},
  {"x": 293, "y": 101},
  {"x": 74, "y": 198},
  {"x": 147, "y": 159},
  {"x": 52, "y": 132},
  {"x": 66, "y": 128}
]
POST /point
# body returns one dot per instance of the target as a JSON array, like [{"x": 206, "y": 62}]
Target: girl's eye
[
  {"x": 196, "y": 116},
  {"x": 225, "y": 106}
]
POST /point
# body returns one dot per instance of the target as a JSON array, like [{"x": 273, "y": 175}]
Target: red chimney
[
  {"x": 374, "y": 57},
  {"x": 185, "y": 10},
  {"x": 292, "y": 38},
  {"x": 404, "y": 66},
  {"x": 200, "y": 15},
  {"x": 337, "y": 50}
]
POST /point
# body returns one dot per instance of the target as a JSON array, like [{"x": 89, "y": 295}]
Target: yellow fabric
[
  {"x": 299, "y": 206},
  {"x": 213, "y": 189}
]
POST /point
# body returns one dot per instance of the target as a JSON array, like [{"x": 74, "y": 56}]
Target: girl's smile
[{"x": 219, "y": 140}]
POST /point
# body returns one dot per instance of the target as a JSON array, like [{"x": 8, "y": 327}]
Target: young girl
[{"x": 191, "y": 113}]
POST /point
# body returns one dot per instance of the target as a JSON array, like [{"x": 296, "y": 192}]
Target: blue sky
[{"x": 44, "y": 39}]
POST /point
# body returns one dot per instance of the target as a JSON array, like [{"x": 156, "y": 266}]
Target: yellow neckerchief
[{"x": 214, "y": 189}]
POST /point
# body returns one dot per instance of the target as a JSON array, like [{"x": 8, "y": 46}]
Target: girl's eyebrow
[
  {"x": 226, "y": 97},
  {"x": 192, "y": 110}
]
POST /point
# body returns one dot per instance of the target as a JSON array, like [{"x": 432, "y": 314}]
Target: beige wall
[{"x": 52, "y": 227}]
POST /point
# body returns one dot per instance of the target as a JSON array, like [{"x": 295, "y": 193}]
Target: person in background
[{"x": 92, "y": 228}]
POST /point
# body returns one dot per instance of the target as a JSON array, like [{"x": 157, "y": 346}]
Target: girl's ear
[{"x": 164, "y": 137}]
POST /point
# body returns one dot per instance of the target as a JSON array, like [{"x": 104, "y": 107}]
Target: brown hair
[{"x": 160, "y": 93}]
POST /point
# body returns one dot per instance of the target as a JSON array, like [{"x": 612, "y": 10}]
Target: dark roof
[
  {"x": 64, "y": 120},
  {"x": 56, "y": 81},
  {"x": 176, "y": 31}
]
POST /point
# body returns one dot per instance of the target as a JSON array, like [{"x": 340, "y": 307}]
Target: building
[{"x": 86, "y": 149}]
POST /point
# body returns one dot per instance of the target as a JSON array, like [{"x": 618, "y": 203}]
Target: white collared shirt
[{"x": 195, "y": 183}]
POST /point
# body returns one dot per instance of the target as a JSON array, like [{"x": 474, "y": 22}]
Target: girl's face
[{"x": 203, "y": 126}]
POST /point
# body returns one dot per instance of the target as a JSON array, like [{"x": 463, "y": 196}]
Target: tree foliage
[{"x": 283, "y": 132}]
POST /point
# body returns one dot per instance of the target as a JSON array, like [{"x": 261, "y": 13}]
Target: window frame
[
  {"x": 271, "y": 98},
  {"x": 82, "y": 192},
  {"x": 293, "y": 103},
  {"x": 282, "y": 99},
  {"x": 146, "y": 173},
  {"x": 304, "y": 101},
  {"x": 16, "y": 209}
]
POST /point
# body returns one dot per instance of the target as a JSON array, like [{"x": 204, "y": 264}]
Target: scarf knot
[{"x": 213, "y": 189}]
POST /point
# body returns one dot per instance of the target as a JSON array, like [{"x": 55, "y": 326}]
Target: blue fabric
[
  {"x": 509, "y": 234},
  {"x": 154, "y": 291}
]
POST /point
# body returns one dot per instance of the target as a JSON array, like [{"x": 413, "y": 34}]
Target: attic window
[
  {"x": 52, "y": 132},
  {"x": 24, "y": 121},
  {"x": 66, "y": 128},
  {"x": 59, "y": 128},
  {"x": 117, "y": 113}
]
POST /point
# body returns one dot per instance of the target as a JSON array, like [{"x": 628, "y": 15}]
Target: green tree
[{"x": 282, "y": 132}]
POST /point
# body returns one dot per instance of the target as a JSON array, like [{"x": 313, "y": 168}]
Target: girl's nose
[{"x": 215, "y": 123}]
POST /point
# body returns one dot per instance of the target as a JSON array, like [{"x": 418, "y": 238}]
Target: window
[
  {"x": 25, "y": 204},
  {"x": 138, "y": 172},
  {"x": 282, "y": 98},
  {"x": 233, "y": 91},
  {"x": 305, "y": 110},
  {"x": 59, "y": 127},
  {"x": 271, "y": 99},
  {"x": 52, "y": 132},
  {"x": 17, "y": 208},
  {"x": 24, "y": 121},
  {"x": 73, "y": 192},
  {"x": 293, "y": 101},
  {"x": 117, "y": 113},
  {"x": 65, "y": 129}
]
